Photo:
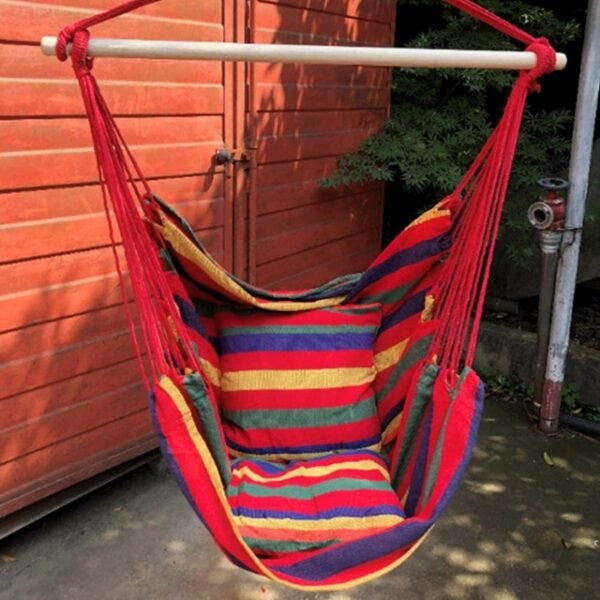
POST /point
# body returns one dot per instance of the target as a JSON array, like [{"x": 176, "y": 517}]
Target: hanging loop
[
  {"x": 82, "y": 63},
  {"x": 546, "y": 63},
  {"x": 67, "y": 34}
]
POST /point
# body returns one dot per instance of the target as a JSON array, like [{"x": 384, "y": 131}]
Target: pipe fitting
[{"x": 548, "y": 212}]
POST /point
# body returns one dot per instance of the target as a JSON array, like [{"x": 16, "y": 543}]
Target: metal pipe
[
  {"x": 566, "y": 278},
  {"x": 549, "y": 245},
  {"x": 309, "y": 54},
  {"x": 547, "y": 215}
]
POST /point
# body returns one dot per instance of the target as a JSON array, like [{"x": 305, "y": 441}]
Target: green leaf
[{"x": 548, "y": 459}]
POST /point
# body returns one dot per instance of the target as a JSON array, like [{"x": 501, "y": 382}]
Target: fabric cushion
[
  {"x": 298, "y": 385},
  {"x": 312, "y": 504}
]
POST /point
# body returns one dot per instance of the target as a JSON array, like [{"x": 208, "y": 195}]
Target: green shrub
[{"x": 440, "y": 118}]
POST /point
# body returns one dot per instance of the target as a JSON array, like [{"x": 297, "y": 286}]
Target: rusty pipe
[{"x": 546, "y": 215}]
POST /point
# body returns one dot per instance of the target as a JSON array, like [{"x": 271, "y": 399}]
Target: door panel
[
  {"x": 302, "y": 118},
  {"x": 71, "y": 401}
]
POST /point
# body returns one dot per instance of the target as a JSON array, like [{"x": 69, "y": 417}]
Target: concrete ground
[{"x": 518, "y": 528}]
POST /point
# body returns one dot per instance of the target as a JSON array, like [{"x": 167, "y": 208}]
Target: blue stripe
[
  {"x": 189, "y": 316},
  {"x": 410, "y": 307},
  {"x": 403, "y": 258},
  {"x": 306, "y": 449},
  {"x": 266, "y": 467},
  {"x": 353, "y": 554},
  {"x": 341, "y": 511},
  {"x": 392, "y": 414},
  {"x": 280, "y": 342}
]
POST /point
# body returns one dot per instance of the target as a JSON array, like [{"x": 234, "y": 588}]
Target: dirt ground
[{"x": 518, "y": 528}]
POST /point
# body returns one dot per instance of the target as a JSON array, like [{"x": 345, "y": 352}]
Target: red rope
[
  {"x": 493, "y": 20},
  {"x": 67, "y": 34},
  {"x": 464, "y": 280},
  {"x": 165, "y": 339}
]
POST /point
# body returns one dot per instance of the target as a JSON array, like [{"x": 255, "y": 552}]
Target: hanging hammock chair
[{"x": 318, "y": 434}]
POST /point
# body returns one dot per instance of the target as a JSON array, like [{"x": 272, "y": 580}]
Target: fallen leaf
[
  {"x": 548, "y": 459},
  {"x": 7, "y": 558}
]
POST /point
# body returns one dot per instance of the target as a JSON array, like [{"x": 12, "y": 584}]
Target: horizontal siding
[
  {"x": 307, "y": 116},
  {"x": 72, "y": 401}
]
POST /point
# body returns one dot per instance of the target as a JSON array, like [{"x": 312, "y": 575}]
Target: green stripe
[
  {"x": 194, "y": 387},
  {"x": 283, "y": 329},
  {"x": 435, "y": 461},
  {"x": 286, "y": 546},
  {"x": 355, "y": 309},
  {"x": 422, "y": 398},
  {"x": 310, "y": 492},
  {"x": 437, "y": 455},
  {"x": 393, "y": 295},
  {"x": 416, "y": 352},
  {"x": 302, "y": 417}
]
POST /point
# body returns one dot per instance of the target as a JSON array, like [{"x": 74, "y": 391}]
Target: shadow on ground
[{"x": 518, "y": 528}]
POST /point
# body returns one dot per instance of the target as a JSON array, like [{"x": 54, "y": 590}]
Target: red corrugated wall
[{"x": 71, "y": 404}]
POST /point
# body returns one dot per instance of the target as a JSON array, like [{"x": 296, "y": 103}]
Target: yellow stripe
[
  {"x": 434, "y": 213},
  {"x": 391, "y": 356},
  {"x": 304, "y": 379},
  {"x": 185, "y": 247},
  {"x": 171, "y": 389},
  {"x": 304, "y": 456},
  {"x": 336, "y": 523},
  {"x": 212, "y": 373},
  {"x": 429, "y": 310},
  {"x": 361, "y": 465},
  {"x": 391, "y": 430}
]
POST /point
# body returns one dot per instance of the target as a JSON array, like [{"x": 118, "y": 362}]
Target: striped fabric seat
[
  {"x": 313, "y": 523},
  {"x": 297, "y": 385},
  {"x": 307, "y": 505}
]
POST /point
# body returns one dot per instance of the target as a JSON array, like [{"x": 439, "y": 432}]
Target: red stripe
[
  {"x": 329, "y": 501},
  {"x": 456, "y": 439},
  {"x": 196, "y": 478},
  {"x": 329, "y": 317},
  {"x": 310, "y": 480},
  {"x": 322, "y": 461},
  {"x": 296, "y": 438},
  {"x": 296, "y": 359},
  {"x": 293, "y": 399},
  {"x": 314, "y": 535},
  {"x": 413, "y": 235}
]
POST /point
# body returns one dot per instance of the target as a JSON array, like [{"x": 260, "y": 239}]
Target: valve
[{"x": 548, "y": 212}]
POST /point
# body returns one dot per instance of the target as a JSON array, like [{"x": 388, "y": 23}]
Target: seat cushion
[
  {"x": 298, "y": 385},
  {"x": 312, "y": 504}
]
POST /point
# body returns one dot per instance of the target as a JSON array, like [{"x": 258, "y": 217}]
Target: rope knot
[
  {"x": 546, "y": 63},
  {"x": 64, "y": 37},
  {"x": 80, "y": 60}
]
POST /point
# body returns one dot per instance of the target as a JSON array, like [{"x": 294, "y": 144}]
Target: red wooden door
[
  {"x": 302, "y": 117},
  {"x": 71, "y": 401}
]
